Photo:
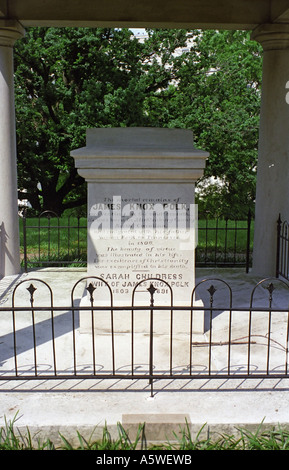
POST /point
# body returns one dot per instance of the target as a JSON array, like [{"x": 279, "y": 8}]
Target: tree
[
  {"x": 217, "y": 95},
  {"x": 69, "y": 79}
]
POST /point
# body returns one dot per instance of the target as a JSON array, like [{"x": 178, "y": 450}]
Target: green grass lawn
[
  {"x": 57, "y": 241},
  {"x": 221, "y": 233}
]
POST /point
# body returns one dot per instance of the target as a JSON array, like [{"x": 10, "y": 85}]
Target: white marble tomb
[{"x": 141, "y": 210}]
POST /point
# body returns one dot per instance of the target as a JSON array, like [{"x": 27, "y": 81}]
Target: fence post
[
  {"x": 25, "y": 239},
  {"x": 248, "y": 241},
  {"x": 279, "y": 223},
  {"x": 152, "y": 291}
]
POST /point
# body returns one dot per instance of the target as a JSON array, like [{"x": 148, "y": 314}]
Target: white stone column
[
  {"x": 10, "y": 31},
  {"x": 272, "y": 195}
]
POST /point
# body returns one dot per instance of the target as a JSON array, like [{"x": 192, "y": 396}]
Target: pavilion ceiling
[{"x": 188, "y": 14}]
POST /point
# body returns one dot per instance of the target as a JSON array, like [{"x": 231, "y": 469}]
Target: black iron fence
[
  {"x": 282, "y": 258},
  {"x": 224, "y": 242},
  {"x": 91, "y": 338},
  {"x": 49, "y": 240}
]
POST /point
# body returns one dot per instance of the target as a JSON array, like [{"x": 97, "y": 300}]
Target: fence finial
[
  {"x": 152, "y": 290},
  {"x": 31, "y": 289},
  {"x": 91, "y": 289},
  {"x": 211, "y": 291}
]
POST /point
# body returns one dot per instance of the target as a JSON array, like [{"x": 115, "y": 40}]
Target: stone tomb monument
[{"x": 142, "y": 217}]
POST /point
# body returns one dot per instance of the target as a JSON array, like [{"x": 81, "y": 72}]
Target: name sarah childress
[{"x": 147, "y": 459}]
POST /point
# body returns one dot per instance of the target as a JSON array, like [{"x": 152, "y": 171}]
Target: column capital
[
  {"x": 272, "y": 36},
  {"x": 10, "y": 31}
]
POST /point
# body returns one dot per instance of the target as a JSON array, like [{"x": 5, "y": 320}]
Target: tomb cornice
[{"x": 140, "y": 155}]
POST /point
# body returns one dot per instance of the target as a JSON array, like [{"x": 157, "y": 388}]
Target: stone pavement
[{"x": 218, "y": 406}]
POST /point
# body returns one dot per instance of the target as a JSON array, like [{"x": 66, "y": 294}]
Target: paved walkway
[{"x": 221, "y": 406}]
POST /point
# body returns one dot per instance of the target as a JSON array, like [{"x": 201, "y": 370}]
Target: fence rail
[
  {"x": 144, "y": 341},
  {"x": 49, "y": 240},
  {"x": 224, "y": 242},
  {"x": 282, "y": 258}
]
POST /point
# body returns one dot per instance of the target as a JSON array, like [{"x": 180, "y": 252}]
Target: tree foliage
[
  {"x": 217, "y": 95},
  {"x": 70, "y": 79}
]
